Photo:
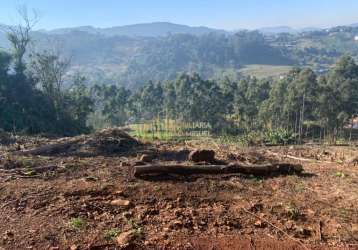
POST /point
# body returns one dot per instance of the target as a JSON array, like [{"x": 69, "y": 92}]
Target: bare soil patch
[{"x": 76, "y": 200}]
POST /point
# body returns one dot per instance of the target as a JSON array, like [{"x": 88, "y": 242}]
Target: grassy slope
[{"x": 262, "y": 71}]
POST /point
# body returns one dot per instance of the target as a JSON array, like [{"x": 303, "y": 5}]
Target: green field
[
  {"x": 169, "y": 130},
  {"x": 262, "y": 71}
]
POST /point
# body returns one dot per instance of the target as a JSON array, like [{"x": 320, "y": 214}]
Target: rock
[
  {"x": 259, "y": 224},
  {"x": 289, "y": 225},
  {"x": 74, "y": 247},
  {"x": 119, "y": 192},
  {"x": 120, "y": 203},
  {"x": 146, "y": 158},
  {"x": 202, "y": 223},
  {"x": 124, "y": 239},
  {"x": 202, "y": 155}
]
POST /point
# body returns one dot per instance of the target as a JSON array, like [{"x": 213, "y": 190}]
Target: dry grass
[{"x": 264, "y": 71}]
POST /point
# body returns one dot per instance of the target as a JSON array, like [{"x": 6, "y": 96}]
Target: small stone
[
  {"x": 119, "y": 192},
  {"x": 202, "y": 223},
  {"x": 120, "y": 203},
  {"x": 74, "y": 247},
  {"x": 259, "y": 223},
  {"x": 289, "y": 224},
  {"x": 124, "y": 239},
  {"x": 310, "y": 212}
]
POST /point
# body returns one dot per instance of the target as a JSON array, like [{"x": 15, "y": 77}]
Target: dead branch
[
  {"x": 264, "y": 169},
  {"x": 296, "y": 158},
  {"x": 277, "y": 228}
]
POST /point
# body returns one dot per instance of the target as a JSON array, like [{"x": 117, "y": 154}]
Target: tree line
[{"x": 301, "y": 102}]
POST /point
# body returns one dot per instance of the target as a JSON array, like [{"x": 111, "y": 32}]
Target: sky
[{"x": 224, "y": 14}]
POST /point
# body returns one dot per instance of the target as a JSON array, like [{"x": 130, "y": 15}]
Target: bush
[{"x": 280, "y": 137}]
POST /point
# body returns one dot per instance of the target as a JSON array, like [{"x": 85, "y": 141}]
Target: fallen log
[
  {"x": 50, "y": 149},
  {"x": 264, "y": 169}
]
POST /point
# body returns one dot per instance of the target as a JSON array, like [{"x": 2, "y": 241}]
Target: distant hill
[
  {"x": 286, "y": 29},
  {"x": 278, "y": 29},
  {"x": 134, "y": 54},
  {"x": 142, "y": 30}
]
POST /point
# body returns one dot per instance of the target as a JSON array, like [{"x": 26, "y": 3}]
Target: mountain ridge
[
  {"x": 152, "y": 29},
  {"x": 160, "y": 29}
]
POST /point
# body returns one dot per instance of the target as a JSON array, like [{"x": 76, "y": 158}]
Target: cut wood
[
  {"x": 49, "y": 149},
  {"x": 264, "y": 169}
]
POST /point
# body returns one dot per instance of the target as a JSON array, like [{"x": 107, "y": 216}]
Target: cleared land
[
  {"x": 263, "y": 71},
  {"x": 77, "y": 197}
]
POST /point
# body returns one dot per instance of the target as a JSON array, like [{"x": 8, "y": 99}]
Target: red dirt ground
[{"x": 316, "y": 210}]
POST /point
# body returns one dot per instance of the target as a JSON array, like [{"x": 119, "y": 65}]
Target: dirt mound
[{"x": 107, "y": 141}]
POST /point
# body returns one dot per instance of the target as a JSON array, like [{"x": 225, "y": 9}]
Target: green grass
[
  {"x": 293, "y": 211},
  {"x": 263, "y": 71},
  {"x": 111, "y": 234},
  {"x": 78, "y": 224},
  {"x": 340, "y": 174},
  {"x": 166, "y": 130}
]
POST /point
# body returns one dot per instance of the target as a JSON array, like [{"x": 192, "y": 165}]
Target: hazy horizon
[{"x": 231, "y": 15}]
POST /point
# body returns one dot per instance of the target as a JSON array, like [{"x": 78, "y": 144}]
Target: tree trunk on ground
[{"x": 265, "y": 169}]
